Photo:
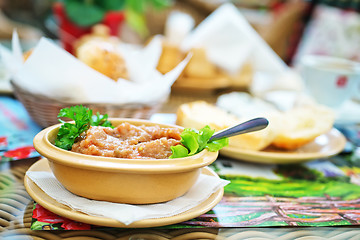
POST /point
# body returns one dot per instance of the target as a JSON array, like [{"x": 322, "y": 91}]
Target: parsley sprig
[
  {"x": 194, "y": 141},
  {"x": 84, "y": 118}
]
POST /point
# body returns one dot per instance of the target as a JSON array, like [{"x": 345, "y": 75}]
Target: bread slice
[
  {"x": 260, "y": 139},
  {"x": 200, "y": 113},
  {"x": 286, "y": 130},
  {"x": 302, "y": 125}
]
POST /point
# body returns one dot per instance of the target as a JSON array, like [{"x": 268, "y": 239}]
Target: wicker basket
[{"x": 44, "y": 110}]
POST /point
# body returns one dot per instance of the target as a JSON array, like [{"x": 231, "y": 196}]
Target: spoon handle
[{"x": 245, "y": 127}]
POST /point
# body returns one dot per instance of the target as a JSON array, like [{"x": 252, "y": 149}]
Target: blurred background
[
  {"x": 284, "y": 24},
  {"x": 291, "y": 28}
]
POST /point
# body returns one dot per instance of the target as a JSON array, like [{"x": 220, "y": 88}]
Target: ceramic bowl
[{"x": 132, "y": 181}]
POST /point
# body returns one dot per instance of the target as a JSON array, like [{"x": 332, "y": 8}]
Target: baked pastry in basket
[
  {"x": 171, "y": 56},
  {"x": 99, "y": 51},
  {"x": 104, "y": 58},
  {"x": 199, "y": 66}
]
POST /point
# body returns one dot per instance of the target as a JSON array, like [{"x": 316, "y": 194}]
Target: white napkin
[
  {"x": 12, "y": 60},
  {"x": 127, "y": 213},
  {"x": 53, "y": 72},
  {"x": 230, "y": 41},
  {"x": 177, "y": 27}
]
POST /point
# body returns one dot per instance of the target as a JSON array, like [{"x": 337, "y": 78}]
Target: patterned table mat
[{"x": 17, "y": 131}]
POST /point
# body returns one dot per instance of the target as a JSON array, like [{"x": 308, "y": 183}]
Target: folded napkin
[
  {"x": 230, "y": 41},
  {"x": 53, "y": 72},
  {"x": 10, "y": 61},
  {"x": 127, "y": 213}
]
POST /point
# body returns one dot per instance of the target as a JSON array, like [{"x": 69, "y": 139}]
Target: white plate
[{"x": 326, "y": 145}]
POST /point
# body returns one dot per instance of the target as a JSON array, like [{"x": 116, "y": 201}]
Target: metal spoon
[{"x": 245, "y": 127}]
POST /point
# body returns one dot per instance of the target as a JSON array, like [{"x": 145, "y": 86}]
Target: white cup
[{"x": 328, "y": 80}]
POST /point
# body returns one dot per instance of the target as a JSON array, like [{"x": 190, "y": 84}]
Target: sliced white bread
[
  {"x": 200, "y": 113},
  {"x": 302, "y": 125},
  {"x": 260, "y": 139}
]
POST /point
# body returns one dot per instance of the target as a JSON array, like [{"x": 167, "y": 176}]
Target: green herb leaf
[
  {"x": 193, "y": 141},
  {"x": 111, "y": 5},
  {"x": 138, "y": 6},
  {"x": 189, "y": 139},
  {"x": 66, "y": 136},
  {"x": 161, "y": 4},
  {"x": 137, "y": 22},
  {"x": 204, "y": 136},
  {"x": 84, "y": 14},
  {"x": 216, "y": 145},
  {"x": 100, "y": 120},
  {"x": 83, "y": 117},
  {"x": 179, "y": 151}
]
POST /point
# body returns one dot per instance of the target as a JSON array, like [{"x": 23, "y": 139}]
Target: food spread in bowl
[
  {"x": 94, "y": 135},
  {"x": 118, "y": 179},
  {"x": 128, "y": 141}
]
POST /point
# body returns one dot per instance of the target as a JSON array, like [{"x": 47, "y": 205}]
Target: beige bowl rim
[{"x": 47, "y": 149}]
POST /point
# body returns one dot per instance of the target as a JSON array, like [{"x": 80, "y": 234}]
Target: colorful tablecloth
[
  {"x": 318, "y": 193},
  {"x": 16, "y": 132}
]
